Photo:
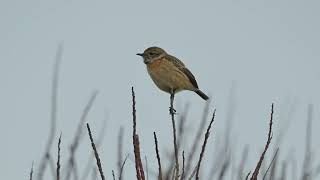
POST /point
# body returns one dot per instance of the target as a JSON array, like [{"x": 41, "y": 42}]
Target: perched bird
[{"x": 169, "y": 73}]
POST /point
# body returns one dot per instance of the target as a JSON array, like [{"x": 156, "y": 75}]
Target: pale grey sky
[{"x": 267, "y": 50}]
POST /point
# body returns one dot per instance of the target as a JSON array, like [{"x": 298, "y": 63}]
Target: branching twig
[
  {"x": 158, "y": 156},
  {"x": 256, "y": 171},
  {"x": 95, "y": 153},
  {"x": 204, "y": 145}
]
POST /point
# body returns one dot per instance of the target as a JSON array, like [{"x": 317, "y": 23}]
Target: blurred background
[{"x": 245, "y": 55}]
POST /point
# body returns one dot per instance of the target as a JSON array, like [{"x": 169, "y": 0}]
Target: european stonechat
[{"x": 169, "y": 73}]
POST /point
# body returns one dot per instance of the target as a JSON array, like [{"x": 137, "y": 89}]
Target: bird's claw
[{"x": 172, "y": 110}]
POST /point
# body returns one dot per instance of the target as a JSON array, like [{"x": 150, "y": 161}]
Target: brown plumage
[{"x": 169, "y": 73}]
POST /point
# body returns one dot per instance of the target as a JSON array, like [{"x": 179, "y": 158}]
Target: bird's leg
[{"x": 171, "y": 109}]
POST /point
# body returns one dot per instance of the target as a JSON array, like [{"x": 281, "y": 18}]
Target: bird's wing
[
  {"x": 179, "y": 64},
  {"x": 175, "y": 61}
]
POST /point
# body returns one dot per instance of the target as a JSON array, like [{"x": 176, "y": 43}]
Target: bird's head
[{"x": 151, "y": 54}]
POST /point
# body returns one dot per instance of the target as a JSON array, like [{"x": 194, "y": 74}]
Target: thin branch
[
  {"x": 78, "y": 136},
  {"x": 204, "y": 145},
  {"x": 120, "y": 150},
  {"x": 31, "y": 172},
  {"x": 183, "y": 159},
  {"x": 256, "y": 171},
  {"x": 225, "y": 166},
  {"x": 95, "y": 153},
  {"x": 58, "y": 161},
  {"x": 176, "y": 151},
  {"x": 193, "y": 173},
  {"x": 53, "y": 114},
  {"x": 180, "y": 130},
  {"x": 243, "y": 161},
  {"x": 197, "y": 137},
  {"x": 274, "y": 157},
  {"x": 113, "y": 176},
  {"x": 247, "y": 177},
  {"x": 99, "y": 141},
  {"x": 136, "y": 143},
  {"x": 146, "y": 160},
  {"x": 306, "y": 173},
  {"x": 158, "y": 156},
  {"x": 122, "y": 167}
]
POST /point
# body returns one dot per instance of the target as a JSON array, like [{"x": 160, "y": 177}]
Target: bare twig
[
  {"x": 98, "y": 143},
  {"x": 223, "y": 161},
  {"x": 78, "y": 135},
  {"x": 136, "y": 144},
  {"x": 243, "y": 161},
  {"x": 306, "y": 174},
  {"x": 274, "y": 168},
  {"x": 256, "y": 171},
  {"x": 138, "y": 163},
  {"x": 204, "y": 145},
  {"x": 122, "y": 167},
  {"x": 274, "y": 157},
  {"x": 95, "y": 153},
  {"x": 58, "y": 161},
  {"x": 31, "y": 172},
  {"x": 120, "y": 150},
  {"x": 193, "y": 173},
  {"x": 113, "y": 176},
  {"x": 225, "y": 166},
  {"x": 147, "y": 168},
  {"x": 247, "y": 177},
  {"x": 181, "y": 130},
  {"x": 181, "y": 124},
  {"x": 158, "y": 156},
  {"x": 53, "y": 115},
  {"x": 197, "y": 137},
  {"x": 176, "y": 151},
  {"x": 183, "y": 159}
]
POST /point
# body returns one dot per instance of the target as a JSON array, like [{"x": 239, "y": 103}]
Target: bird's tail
[{"x": 201, "y": 94}]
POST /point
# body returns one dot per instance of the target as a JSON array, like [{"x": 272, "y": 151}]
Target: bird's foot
[{"x": 172, "y": 110}]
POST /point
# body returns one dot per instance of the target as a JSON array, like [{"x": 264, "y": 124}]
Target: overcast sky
[{"x": 258, "y": 51}]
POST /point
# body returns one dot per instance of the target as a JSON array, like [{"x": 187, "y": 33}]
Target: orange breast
[{"x": 154, "y": 65}]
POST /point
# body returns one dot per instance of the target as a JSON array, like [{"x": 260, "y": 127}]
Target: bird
[{"x": 169, "y": 73}]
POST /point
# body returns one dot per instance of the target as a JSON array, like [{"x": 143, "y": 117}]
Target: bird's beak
[{"x": 140, "y": 54}]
